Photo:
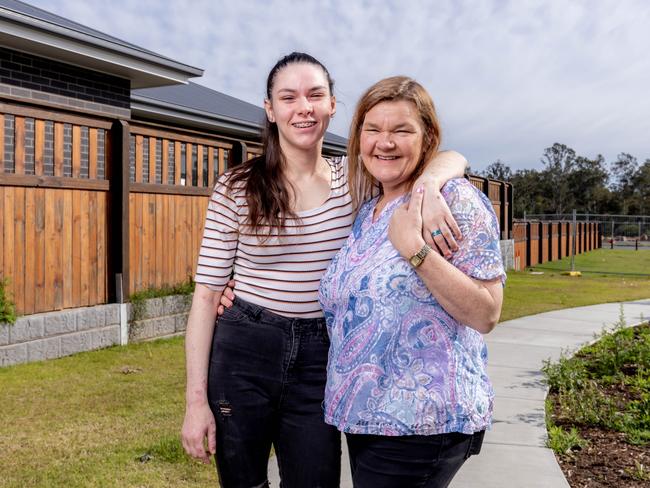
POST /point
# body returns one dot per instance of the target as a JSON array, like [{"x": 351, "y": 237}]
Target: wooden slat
[
  {"x": 2, "y": 236},
  {"x": 138, "y": 158},
  {"x": 191, "y": 231},
  {"x": 181, "y": 219},
  {"x": 40, "y": 303},
  {"x": 177, "y": 163},
  {"x": 50, "y": 258},
  {"x": 84, "y": 271},
  {"x": 108, "y": 155},
  {"x": 159, "y": 236},
  {"x": 132, "y": 235},
  {"x": 147, "y": 243},
  {"x": 67, "y": 250},
  {"x": 199, "y": 166},
  {"x": 57, "y": 248},
  {"x": 2, "y": 145},
  {"x": 18, "y": 277},
  {"x": 210, "y": 167},
  {"x": 92, "y": 153},
  {"x": 138, "y": 253},
  {"x": 101, "y": 248},
  {"x": 76, "y": 248},
  {"x": 57, "y": 116},
  {"x": 8, "y": 258},
  {"x": 58, "y": 149},
  {"x": 30, "y": 255},
  {"x": 92, "y": 248},
  {"x": 222, "y": 162},
  {"x": 188, "y": 164},
  {"x": 39, "y": 146},
  {"x": 19, "y": 145},
  {"x": 168, "y": 242},
  {"x": 76, "y": 151},
  {"x": 52, "y": 182},
  {"x": 152, "y": 160},
  {"x": 164, "y": 161}
]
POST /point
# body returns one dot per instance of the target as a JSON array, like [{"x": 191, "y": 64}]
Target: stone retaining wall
[
  {"x": 508, "y": 253},
  {"x": 56, "y": 334}
]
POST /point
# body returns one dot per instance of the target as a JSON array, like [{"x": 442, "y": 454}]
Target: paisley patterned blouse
[{"x": 398, "y": 363}]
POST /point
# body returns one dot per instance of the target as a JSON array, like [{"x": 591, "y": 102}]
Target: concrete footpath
[{"x": 514, "y": 453}]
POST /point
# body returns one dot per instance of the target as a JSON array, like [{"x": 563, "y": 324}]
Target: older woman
[{"x": 406, "y": 375}]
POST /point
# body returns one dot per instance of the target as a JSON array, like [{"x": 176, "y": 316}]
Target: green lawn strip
[
  {"x": 104, "y": 418},
  {"x": 606, "y": 385},
  {"x": 604, "y": 261},
  {"x": 528, "y": 294}
]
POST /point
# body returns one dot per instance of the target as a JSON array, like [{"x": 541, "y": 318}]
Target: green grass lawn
[
  {"x": 112, "y": 418},
  {"x": 605, "y": 261}
]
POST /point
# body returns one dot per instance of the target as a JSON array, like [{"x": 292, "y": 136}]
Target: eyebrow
[
  {"x": 405, "y": 125},
  {"x": 291, "y": 90}
]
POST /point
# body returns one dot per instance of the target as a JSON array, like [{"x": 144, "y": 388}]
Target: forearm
[
  {"x": 475, "y": 303},
  {"x": 444, "y": 166},
  {"x": 198, "y": 341}
]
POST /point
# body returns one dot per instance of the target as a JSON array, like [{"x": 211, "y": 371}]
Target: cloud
[{"x": 508, "y": 78}]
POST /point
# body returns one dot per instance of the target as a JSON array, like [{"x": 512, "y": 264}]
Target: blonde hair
[{"x": 362, "y": 184}]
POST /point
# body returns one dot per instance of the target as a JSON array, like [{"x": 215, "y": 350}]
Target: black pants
[
  {"x": 429, "y": 461},
  {"x": 266, "y": 384}
]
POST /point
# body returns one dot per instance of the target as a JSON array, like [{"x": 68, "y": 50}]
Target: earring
[{"x": 332, "y": 115}]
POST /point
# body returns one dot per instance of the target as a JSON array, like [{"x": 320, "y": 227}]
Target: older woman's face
[{"x": 391, "y": 143}]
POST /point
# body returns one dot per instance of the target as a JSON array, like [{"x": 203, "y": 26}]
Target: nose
[
  {"x": 305, "y": 106},
  {"x": 386, "y": 141}
]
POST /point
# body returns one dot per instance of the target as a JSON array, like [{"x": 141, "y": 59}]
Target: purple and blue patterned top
[{"x": 398, "y": 363}]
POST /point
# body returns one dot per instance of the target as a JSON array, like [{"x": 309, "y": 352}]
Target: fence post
[
  {"x": 573, "y": 247},
  {"x": 118, "y": 213}
]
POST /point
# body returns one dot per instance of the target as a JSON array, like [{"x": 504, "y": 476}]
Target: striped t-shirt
[{"x": 281, "y": 274}]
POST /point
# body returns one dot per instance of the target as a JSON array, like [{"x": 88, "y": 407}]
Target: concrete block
[
  {"x": 112, "y": 314},
  {"x": 153, "y": 308},
  {"x": 4, "y": 334},
  {"x": 90, "y": 318},
  {"x": 181, "y": 322},
  {"x": 26, "y": 329},
  {"x": 60, "y": 323},
  {"x": 14, "y": 354},
  {"x": 106, "y": 337},
  {"x": 141, "y": 330},
  {"x": 164, "y": 326},
  {"x": 77, "y": 342},
  {"x": 48, "y": 348}
]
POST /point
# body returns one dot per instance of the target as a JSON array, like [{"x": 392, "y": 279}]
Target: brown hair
[
  {"x": 362, "y": 183},
  {"x": 267, "y": 191}
]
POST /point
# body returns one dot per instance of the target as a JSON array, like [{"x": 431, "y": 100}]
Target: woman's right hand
[
  {"x": 198, "y": 426},
  {"x": 227, "y": 298}
]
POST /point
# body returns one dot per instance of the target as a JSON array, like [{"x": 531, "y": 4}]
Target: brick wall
[{"x": 27, "y": 76}]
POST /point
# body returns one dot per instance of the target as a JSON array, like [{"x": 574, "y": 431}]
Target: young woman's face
[
  {"x": 301, "y": 105},
  {"x": 391, "y": 143}
]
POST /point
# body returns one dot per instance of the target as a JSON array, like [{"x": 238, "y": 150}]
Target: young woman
[
  {"x": 406, "y": 378},
  {"x": 257, "y": 379}
]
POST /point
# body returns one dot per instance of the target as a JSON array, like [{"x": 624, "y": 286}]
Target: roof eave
[{"x": 144, "y": 69}]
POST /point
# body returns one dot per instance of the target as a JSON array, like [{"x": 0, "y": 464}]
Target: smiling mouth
[
  {"x": 304, "y": 125},
  {"x": 386, "y": 158}
]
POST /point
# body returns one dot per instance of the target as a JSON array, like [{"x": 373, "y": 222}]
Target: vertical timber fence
[
  {"x": 537, "y": 242},
  {"x": 86, "y": 198}
]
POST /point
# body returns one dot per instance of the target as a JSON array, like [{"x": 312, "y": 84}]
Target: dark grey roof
[
  {"x": 200, "y": 100},
  {"x": 57, "y": 22}
]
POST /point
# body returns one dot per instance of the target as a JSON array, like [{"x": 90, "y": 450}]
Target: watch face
[{"x": 415, "y": 261}]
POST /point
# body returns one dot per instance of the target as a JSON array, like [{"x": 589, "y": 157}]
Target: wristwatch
[{"x": 416, "y": 259}]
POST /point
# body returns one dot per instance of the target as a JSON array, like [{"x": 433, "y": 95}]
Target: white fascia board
[{"x": 114, "y": 59}]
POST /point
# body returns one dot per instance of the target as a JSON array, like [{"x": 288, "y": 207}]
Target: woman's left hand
[
  {"x": 439, "y": 228},
  {"x": 405, "y": 228}
]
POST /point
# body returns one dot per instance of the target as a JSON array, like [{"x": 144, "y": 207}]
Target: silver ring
[{"x": 436, "y": 232}]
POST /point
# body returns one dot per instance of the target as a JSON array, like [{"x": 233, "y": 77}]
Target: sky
[{"x": 508, "y": 78}]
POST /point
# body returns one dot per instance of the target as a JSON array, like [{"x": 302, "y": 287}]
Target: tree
[
  {"x": 529, "y": 192},
  {"x": 641, "y": 192},
  {"x": 498, "y": 171},
  {"x": 588, "y": 180},
  {"x": 624, "y": 170},
  {"x": 559, "y": 161}
]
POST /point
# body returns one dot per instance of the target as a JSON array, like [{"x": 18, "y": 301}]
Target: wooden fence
[
  {"x": 538, "y": 242},
  {"x": 85, "y": 199}
]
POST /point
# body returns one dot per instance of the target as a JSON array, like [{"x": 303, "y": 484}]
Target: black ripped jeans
[{"x": 266, "y": 385}]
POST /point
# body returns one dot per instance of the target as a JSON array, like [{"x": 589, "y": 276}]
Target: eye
[
  {"x": 287, "y": 98},
  {"x": 370, "y": 130},
  {"x": 318, "y": 95}
]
